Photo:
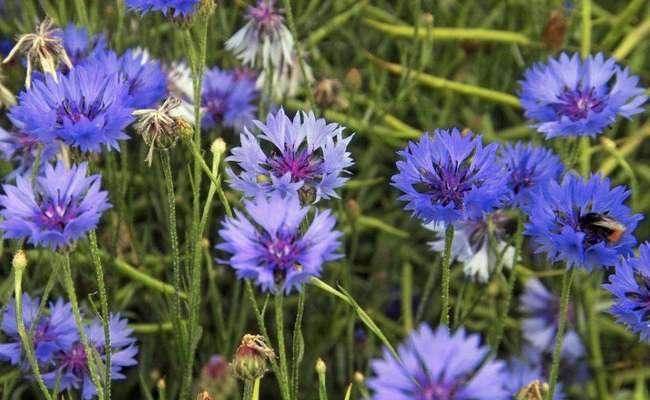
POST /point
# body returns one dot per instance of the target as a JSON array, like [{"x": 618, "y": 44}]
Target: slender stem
[
  {"x": 282, "y": 351},
  {"x": 567, "y": 280},
  {"x": 248, "y": 390},
  {"x": 407, "y": 296},
  {"x": 519, "y": 239},
  {"x": 446, "y": 275},
  {"x": 585, "y": 39},
  {"x": 299, "y": 54},
  {"x": 82, "y": 13},
  {"x": 22, "y": 332},
  {"x": 105, "y": 316},
  {"x": 595, "y": 349},
  {"x": 297, "y": 346},
  {"x": 197, "y": 61},
  {"x": 72, "y": 295},
  {"x": 173, "y": 238}
]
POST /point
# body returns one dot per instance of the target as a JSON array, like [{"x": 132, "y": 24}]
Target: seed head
[
  {"x": 251, "y": 358},
  {"x": 44, "y": 47},
  {"x": 536, "y": 390}
]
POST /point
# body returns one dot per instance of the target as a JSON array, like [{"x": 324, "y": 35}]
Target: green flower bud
[{"x": 251, "y": 358}]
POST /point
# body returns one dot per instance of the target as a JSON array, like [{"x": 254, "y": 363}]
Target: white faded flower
[
  {"x": 471, "y": 244},
  {"x": 264, "y": 41},
  {"x": 179, "y": 85},
  {"x": 286, "y": 80}
]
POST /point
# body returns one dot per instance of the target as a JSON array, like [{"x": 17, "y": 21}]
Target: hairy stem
[
  {"x": 105, "y": 315},
  {"x": 446, "y": 275}
]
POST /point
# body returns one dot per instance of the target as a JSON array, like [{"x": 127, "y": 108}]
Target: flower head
[
  {"x": 528, "y": 381},
  {"x": 145, "y": 79},
  {"x": 71, "y": 366},
  {"x": 529, "y": 169},
  {"x": 269, "y": 248},
  {"x": 54, "y": 331},
  {"x": 171, "y": 8},
  {"x": 80, "y": 44},
  {"x": 449, "y": 177},
  {"x": 159, "y": 128},
  {"x": 62, "y": 207},
  {"x": 573, "y": 97},
  {"x": 630, "y": 284},
  {"x": 471, "y": 244},
  {"x": 42, "y": 47},
  {"x": 438, "y": 365},
  {"x": 85, "y": 109},
  {"x": 264, "y": 41},
  {"x": 227, "y": 98},
  {"x": 541, "y": 309},
  {"x": 582, "y": 222},
  {"x": 21, "y": 148},
  {"x": 306, "y": 155}
]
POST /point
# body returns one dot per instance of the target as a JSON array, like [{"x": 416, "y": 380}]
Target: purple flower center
[
  {"x": 448, "y": 185},
  {"x": 281, "y": 253},
  {"x": 216, "y": 106},
  {"x": 642, "y": 297},
  {"x": 265, "y": 15},
  {"x": 55, "y": 215},
  {"x": 436, "y": 391},
  {"x": 521, "y": 179},
  {"x": 576, "y": 104},
  {"x": 26, "y": 141},
  {"x": 75, "y": 111},
  {"x": 74, "y": 361},
  {"x": 299, "y": 164}
]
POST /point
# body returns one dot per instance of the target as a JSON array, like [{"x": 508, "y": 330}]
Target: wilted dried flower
[
  {"x": 327, "y": 93},
  {"x": 251, "y": 358},
  {"x": 536, "y": 390},
  {"x": 44, "y": 47},
  {"x": 159, "y": 128},
  {"x": 555, "y": 30}
]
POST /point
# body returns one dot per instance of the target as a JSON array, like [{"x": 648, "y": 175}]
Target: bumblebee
[{"x": 603, "y": 224}]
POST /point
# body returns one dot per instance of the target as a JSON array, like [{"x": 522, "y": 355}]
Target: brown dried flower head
[{"x": 43, "y": 47}]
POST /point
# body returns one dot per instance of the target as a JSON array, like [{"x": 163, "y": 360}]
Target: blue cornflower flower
[
  {"x": 306, "y": 155},
  {"x": 85, "y": 109},
  {"x": 63, "y": 207},
  {"x": 228, "y": 98},
  {"x": 541, "y": 310},
  {"x": 529, "y": 168},
  {"x": 269, "y": 247},
  {"x": 572, "y": 97},
  {"x": 71, "y": 367},
  {"x": 79, "y": 43},
  {"x": 54, "y": 331},
  {"x": 170, "y": 8},
  {"x": 439, "y": 365},
  {"x": 528, "y": 378},
  {"x": 582, "y": 222},
  {"x": 21, "y": 148},
  {"x": 144, "y": 78},
  {"x": 631, "y": 285},
  {"x": 450, "y": 177}
]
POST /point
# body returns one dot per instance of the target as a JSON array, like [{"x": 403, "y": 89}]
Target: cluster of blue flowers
[
  {"x": 58, "y": 349},
  {"x": 281, "y": 246}
]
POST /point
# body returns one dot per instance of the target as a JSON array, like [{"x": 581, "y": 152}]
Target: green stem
[
  {"x": 567, "y": 280},
  {"x": 407, "y": 296},
  {"x": 426, "y": 293},
  {"x": 105, "y": 315},
  {"x": 585, "y": 39},
  {"x": 22, "y": 332},
  {"x": 445, "y": 84},
  {"x": 322, "y": 386},
  {"x": 595, "y": 349},
  {"x": 197, "y": 61},
  {"x": 282, "y": 352},
  {"x": 248, "y": 390},
  {"x": 90, "y": 352},
  {"x": 145, "y": 279},
  {"x": 446, "y": 275},
  {"x": 455, "y": 34},
  {"x": 297, "y": 346},
  {"x": 299, "y": 53},
  {"x": 512, "y": 278},
  {"x": 82, "y": 13},
  {"x": 173, "y": 238}
]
